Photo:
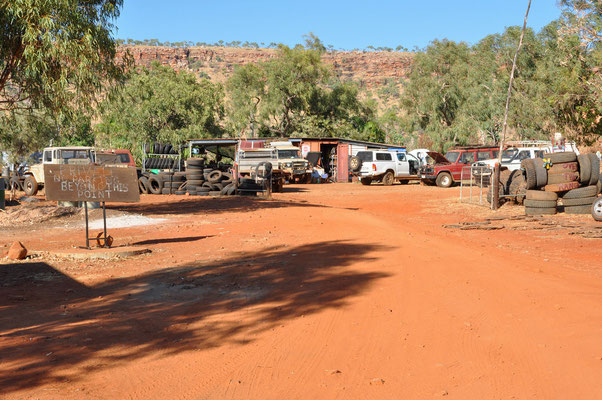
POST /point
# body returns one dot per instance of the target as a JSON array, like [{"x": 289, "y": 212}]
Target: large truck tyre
[{"x": 30, "y": 186}]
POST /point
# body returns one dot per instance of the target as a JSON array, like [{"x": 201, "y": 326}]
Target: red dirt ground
[{"x": 325, "y": 292}]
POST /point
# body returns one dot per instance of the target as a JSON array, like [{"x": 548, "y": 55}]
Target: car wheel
[
  {"x": 366, "y": 181},
  {"x": 388, "y": 179},
  {"x": 30, "y": 186},
  {"x": 597, "y": 209},
  {"x": 444, "y": 180}
]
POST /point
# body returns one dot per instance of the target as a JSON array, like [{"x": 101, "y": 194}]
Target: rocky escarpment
[{"x": 370, "y": 69}]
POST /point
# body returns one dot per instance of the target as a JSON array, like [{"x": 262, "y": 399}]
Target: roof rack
[
  {"x": 528, "y": 143},
  {"x": 473, "y": 147}
]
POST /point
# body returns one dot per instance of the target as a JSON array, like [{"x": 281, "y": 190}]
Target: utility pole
[{"x": 495, "y": 201}]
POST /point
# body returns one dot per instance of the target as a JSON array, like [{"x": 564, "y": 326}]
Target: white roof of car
[{"x": 69, "y": 148}]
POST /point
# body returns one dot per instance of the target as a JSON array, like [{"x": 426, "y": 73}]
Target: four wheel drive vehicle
[
  {"x": 34, "y": 176},
  {"x": 511, "y": 158},
  {"x": 445, "y": 170},
  {"x": 248, "y": 162},
  {"x": 293, "y": 166},
  {"x": 384, "y": 166}
]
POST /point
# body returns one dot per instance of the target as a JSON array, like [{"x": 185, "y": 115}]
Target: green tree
[
  {"x": 56, "y": 54},
  {"x": 294, "y": 94},
  {"x": 160, "y": 104}
]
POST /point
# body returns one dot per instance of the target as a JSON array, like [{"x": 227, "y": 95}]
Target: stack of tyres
[
  {"x": 248, "y": 187},
  {"x": 204, "y": 181},
  {"x": 195, "y": 178},
  {"x": 573, "y": 180},
  {"x": 580, "y": 200},
  {"x": 538, "y": 202},
  {"x": 173, "y": 182}
]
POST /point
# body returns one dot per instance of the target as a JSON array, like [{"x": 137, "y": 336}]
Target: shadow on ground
[
  {"x": 208, "y": 205},
  {"x": 53, "y": 328}
]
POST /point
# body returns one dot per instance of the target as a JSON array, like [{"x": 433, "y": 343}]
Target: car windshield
[
  {"x": 509, "y": 154},
  {"x": 452, "y": 156},
  {"x": 365, "y": 155},
  {"x": 288, "y": 154}
]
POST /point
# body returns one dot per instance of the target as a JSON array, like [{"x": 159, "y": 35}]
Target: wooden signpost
[{"x": 91, "y": 183}]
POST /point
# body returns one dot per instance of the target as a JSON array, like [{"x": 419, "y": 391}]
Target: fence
[{"x": 475, "y": 180}]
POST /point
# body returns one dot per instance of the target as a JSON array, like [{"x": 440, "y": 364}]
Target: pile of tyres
[
  {"x": 204, "y": 181},
  {"x": 162, "y": 156},
  {"x": 198, "y": 179},
  {"x": 562, "y": 182}
]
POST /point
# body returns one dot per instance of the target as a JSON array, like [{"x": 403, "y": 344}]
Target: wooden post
[{"x": 496, "y": 176}]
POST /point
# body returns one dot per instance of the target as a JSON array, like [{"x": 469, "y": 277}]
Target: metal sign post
[{"x": 92, "y": 183}]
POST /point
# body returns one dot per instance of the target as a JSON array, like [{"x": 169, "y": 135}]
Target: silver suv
[{"x": 384, "y": 166}]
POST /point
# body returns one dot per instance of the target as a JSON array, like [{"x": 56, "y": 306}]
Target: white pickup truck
[{"x": 384, "y": 166}]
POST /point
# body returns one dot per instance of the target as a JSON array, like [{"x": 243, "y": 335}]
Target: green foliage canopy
[
  {"x": 295, "y": 94},
  {"x": 56, "y": 54},
  {"x": 160, "y": 104}
]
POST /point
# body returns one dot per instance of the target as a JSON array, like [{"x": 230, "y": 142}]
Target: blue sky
[{"x": 344, "y": 24}]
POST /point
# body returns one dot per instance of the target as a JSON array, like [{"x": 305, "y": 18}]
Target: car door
[{"x": 402, "y": 166}]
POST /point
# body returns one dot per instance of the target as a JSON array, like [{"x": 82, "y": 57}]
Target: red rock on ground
[{"x": 17, "y": 251}]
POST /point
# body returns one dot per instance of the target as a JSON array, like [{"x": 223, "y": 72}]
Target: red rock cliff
[{"x": 369, "y": 69}]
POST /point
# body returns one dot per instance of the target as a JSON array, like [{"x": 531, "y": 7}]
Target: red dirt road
[{"x": 325, "y": 292}]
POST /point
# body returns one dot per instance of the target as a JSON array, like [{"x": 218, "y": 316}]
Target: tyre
[
  {"x": 231, "y": 190},
  {"x": 540, "y": 203},
  {"x": 563, "y": 157},
  {"x": 180, "y": 192},
  {"x": 517, "y": 186},
  {"x": 224, "y": 191},
  {"x": 194, "y": 177},
  {"x": 196, "y": 182},
  {"x": 157, "y": 148},
  {"x": 265, "y": 174},
  {"x": 214, "y": 176},
  {"x": 444, "y": 180},
  {"x": 217, "y": 186},
  {"x": 596, "y": 209},
  {"x": 366, "y": 181},
  {"x": 166, "y": 191},
  {"x": 585, "y": 168},
  {"x": 30, "y": 186},
  {"x": 582, "y": 201},
  {"x": 215, "y": 193},
  {"x": 541, "y": 173},
  {"x": 595, "y": 174},
  {"x": 500, "y": 193},
  {"x": 599, "y": 186},
  {"x": 167, "y": 148},
  {"x": 388, "y": 178},
  {"x": 561, "y": 187},
  {"x": 195, "y": 162},
  {"x": 530, "y": 174},
  {"x": 355, "y": 163},
  {"x": 206, "y": 173},
  {"x": 540, "y": 211},
  {"x": 143, "y": 184},
  {"x": 155, "y": 184},
  {"x": 563, "y": 167},
  {"x": 563, "y": 177},
  {"x": 578, "y": 209},
  {"x": 541, "y": 195},
  {"x": 178, "y": 178},
  {"x": 588, "y": 191},
  {"x": 203, "y": 189}
]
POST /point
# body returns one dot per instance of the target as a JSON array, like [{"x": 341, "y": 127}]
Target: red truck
[{"x": 446, "y": 170}]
